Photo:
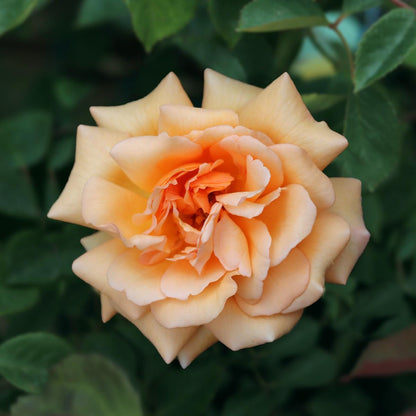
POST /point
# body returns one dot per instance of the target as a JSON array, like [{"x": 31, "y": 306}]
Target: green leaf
[
  {"x": 225, "y": 15},
  {"x": 13, "y": 300},
  {"x": 157, "y": 19},
  {"x": 273, "y": 15},
  {"x": 24, "y": 139},
  {"x": 32, "y": 258},
  {"x": 374, "y": 136},
  {"x": 18, "y": 195},
  {"x": 62, "y": 153},
  {"x": 93, "y": 12},
  {"x": 14, "y": 12},
  {"x": 25, "y": 359},
  {"x": 410, "y": 59},
  {"x": 83, "y": 385},
  {"x": 355, "y": 6},
  {"x": 69, "y": 92},
  {"x": 341, "y": 400},
  {"x": 192, "y": 390},
  {"x": 384, "y": 46},
  {"x": 213, "y": 55},
  {"x": 314, "y": 369},
  {"x": 319, "y": 102}
]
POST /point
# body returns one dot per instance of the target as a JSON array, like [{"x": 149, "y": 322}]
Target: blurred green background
[{"x": 58, "y": 57}]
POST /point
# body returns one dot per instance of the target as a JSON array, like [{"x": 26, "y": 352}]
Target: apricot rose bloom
[{"x": 215, "y": 223}]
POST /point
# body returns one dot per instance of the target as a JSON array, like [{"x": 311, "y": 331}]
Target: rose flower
[{"x": 214, "y": 223}]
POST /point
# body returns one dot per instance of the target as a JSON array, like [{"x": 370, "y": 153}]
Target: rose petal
[
  {"x": 92, "y": 267},
  {"x": 238, "y": 330},
  {"x": 95, "y": 240},
  {"x": 290, "y": 219},
  {"x": 348, "y": 206},
  {"x": 239, "y": 147},
  {"x": 198, "y": 343},
  {"x": 283, "y": 284},
  {"x": 182, "y": 280},
  {"x": 141, "y": 283},
  {"x": 107, "y": 309},
  {"x": 147, "y": 159},
  {"x": 205, "y": 242},
  {"x": 246, "y": 209},
  {"x": 167, "y": 341},
  {"x": 259, "y": 241},
  {"x": 230, "y": 246},
  {"x": 299, "y": 168},
  {"x": 92, "y": 158},
  {"x": 329, "y": 236},
  {"x": 197, "y": 310},
  {"x": 178, "y": 120},
  {"x": 111, "y": 208},
  {"x": 279, "y": 112},
  {"x": 140, "y": 117},
  {"x": 223, "y": 92}
]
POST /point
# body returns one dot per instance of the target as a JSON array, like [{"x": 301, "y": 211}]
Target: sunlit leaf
[
  {"x": 273, "y": 15},
  {"x": 25, "y": 359},
  {"x": 384, "y": 46},
  {"x": 80, "y": 386},
  {"x": 374, "y": 136},
  {"x": 14, "y": 12},
  {"x": 157, "y": 19}
]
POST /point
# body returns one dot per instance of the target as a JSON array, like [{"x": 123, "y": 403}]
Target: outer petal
[
  {"x": 168, "y": 342},
  {"x": 280, "y": 112},
  {"x": 199, "y": 342},
  {"x": 107, "y": 309},
  {"x": 348, "y": 206},
  {"x": 110, "y": 207},
  {"x": 223, "y": 92},
  {"x": 147, "y": 159},
  {"x": 140, "y": 283},
  {"x": 197, "y": 310},
  {"x": 140, "y": 117},
  {"x": 178, "y": 120},
  {"x": 284, "y": 283},
  {"x": 181, "y": 280},
  {"x": 290, "y": 219},
  {"x": 94, "y": 240},
  {"x": 92, "y": 159},
  {"x": 238, "y": 330},
  {"x": 299, "y": 168},
  {"x": 329, "y": 236},
  {"x": 92, "y": 267}
]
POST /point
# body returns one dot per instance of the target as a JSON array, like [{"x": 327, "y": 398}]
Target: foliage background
[{"x": 58, "y": 57}]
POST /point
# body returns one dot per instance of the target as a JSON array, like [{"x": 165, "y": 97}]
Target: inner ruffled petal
[{"x": 231, "y": 247}]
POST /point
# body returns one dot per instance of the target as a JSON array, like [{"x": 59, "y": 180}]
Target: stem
[
  {"x": 347, "y": 48},
  {"x": 339, "y": 20},
  {"x": 400, "y": 3}
]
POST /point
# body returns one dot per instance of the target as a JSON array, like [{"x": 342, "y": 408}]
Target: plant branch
[
  {"x": 346, "y": 46},
  {"x": 402, "y": 4},
  {"x": 320, "y": 48}
]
